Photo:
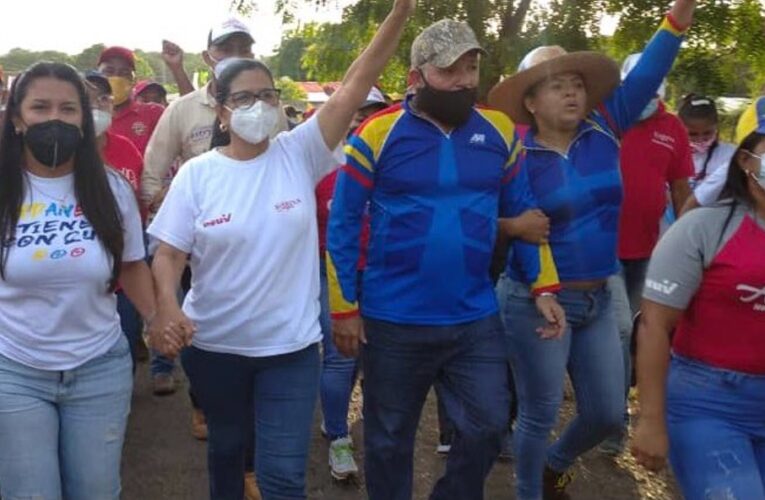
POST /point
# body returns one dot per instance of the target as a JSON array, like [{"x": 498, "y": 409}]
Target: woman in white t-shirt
[
  {"x": 711, "y": 156},
  {"x": 69, "y": 231},
  {"x": 245, "y": 214}
]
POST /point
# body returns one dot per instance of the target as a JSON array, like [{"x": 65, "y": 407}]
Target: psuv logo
[
  {"x": 665, "y": 286},
  {"x": 753, "y": 296},
  {"x": 478, "y": 139}
]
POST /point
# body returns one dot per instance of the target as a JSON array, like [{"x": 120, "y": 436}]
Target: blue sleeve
[
  {"x": 516, "y": 196},
  {"x": 352, "y": 191},
  {"x": 624, "y": 106}
]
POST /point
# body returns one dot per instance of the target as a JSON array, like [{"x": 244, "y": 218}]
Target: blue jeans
[
  {"x": 130, "y": 321},
  {"x": 716, "y": 425},
  {"x": 633, "y": 272},
  {"x": 282, "y": 390},
  {"x": 623, "y": 315},
  {"x": 591, "y": 352},
  {"x": 401, "y": 364},
  {"x": 61, "y": 432},
  {"x": 337, "y": 375}
]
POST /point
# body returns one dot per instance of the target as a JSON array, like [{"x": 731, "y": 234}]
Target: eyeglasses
[{"x": 246, "y": 99}]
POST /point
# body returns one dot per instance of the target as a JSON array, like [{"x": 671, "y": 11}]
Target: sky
[{"x": 73, "y": 25}]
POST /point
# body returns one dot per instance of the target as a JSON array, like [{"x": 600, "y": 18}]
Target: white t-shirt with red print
[
  {"x": 56, "y": 310},
  {"x": 250, "y": 228}
]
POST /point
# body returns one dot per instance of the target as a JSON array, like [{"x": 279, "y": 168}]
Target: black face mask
[
  {"x": 54, "y": 142},
  {"x": 451, "y": 108}
]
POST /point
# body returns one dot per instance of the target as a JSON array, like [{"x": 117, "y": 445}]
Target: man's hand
[
  {"x": 347, "y": 334},
  {"x": 172, "y": 54},
  {"x": 650, "y": 444},
  {"x": 531, "y": 226},
  {"x": 548, "y": 306}
]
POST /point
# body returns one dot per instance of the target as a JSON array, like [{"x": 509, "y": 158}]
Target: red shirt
[
  {"x": 724, "y": 325},
  {"x": 121, "y": 155},
  {"x": 136, "y": 122},
  {"x": 324, "y": 192},
  {"x": 654, "y": 152}
]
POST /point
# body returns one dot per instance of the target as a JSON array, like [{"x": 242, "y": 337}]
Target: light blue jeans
[
  {"x": 590, "y": 350},
  {"x": 338, "y": 373},
  {"x": 61, "y": 432}
]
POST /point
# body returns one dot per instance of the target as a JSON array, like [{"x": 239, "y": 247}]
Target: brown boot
[
  {"x": 554, "y": 484},
  {"x": 198, "y": 424},
  {"x": 251, "y": 491}
]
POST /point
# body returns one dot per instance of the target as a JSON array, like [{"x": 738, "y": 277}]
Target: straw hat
[{"x": 599, "y": 72}]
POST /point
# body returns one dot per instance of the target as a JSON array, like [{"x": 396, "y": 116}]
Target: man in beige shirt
[{"x": 186, "y": 127}]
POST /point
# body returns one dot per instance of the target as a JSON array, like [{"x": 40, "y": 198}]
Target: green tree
[
  {"x": 88, "y": 58},
  {"x": 291, "y": 91},
  {"x": 723, "y": 53},
  {"x": 286, "y": 61},
  {"x": 19, "y": 59}
]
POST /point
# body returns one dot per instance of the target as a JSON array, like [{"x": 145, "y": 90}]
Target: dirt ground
[{"x": 163, "y": 462}]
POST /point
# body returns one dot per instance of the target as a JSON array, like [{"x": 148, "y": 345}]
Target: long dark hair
[
  {"x": 91, "y": 186},
  {"x": 223, "y": 91},
  {"x": 737, "y": 183}
]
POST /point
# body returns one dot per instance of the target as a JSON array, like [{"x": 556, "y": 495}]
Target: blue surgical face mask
[{"x": 650, "y": 109}]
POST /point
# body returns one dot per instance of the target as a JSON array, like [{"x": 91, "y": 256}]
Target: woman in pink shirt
[{"x": 706, "y": 283}]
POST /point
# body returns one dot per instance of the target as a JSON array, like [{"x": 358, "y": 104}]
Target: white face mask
[
  {"x": 102, "y": 121},
  {"x": 255, "y": 124},
  {"x": 761, "y": 176}
]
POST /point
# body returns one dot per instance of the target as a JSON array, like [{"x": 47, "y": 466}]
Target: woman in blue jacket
[{"x": 577, "y": 111}]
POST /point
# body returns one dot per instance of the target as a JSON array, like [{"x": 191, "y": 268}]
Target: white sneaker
[{"x": 341, "y": 462}]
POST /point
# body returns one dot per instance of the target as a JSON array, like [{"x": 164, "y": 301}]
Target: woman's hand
[
  {"x": 548, "y": 306},
  {"x": 531, "y": 226},
  {"x": 170, "y": 331},
  {"x": 650, "y": 443}
]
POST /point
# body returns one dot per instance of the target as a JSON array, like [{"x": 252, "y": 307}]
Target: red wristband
[{"x": 676, "y": 25}]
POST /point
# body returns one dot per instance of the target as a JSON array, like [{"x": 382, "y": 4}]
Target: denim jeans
[
  {"x": 130, "y": 321},
  {"x": 401, "y": 364},
  {"x": 633, "y": 272},
  {"x": 591, "y": 352},
  {"x": 338, "y": 373},
  {"x": 61, "y": 432},
  {"x": 282, "y": 390},
  {"x": 716, "y": 425},
  {"x": 623, "y": 315}
]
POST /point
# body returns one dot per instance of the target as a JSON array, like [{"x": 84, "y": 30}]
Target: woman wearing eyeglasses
[{"x": 245, "y": 213}]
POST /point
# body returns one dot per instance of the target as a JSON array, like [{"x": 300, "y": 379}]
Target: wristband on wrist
[{"x": 548, "y": 294}]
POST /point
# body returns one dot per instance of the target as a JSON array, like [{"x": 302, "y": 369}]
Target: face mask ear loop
[{"x": 55, "y": 155}]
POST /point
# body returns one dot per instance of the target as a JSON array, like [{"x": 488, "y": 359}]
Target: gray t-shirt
[{"x": 686, "y": 250}]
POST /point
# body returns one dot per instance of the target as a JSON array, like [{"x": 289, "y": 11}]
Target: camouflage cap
[{"x": 442, "y": 43}]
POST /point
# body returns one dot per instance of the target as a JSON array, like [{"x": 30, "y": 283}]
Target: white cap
[
  {"x": 375, "y": 97},
  {"x": 629, "y": 64},
  {"x": 225, "y": 29}
]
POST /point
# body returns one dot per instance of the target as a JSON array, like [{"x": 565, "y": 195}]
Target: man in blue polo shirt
[{"x": 435, "y": 173}]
